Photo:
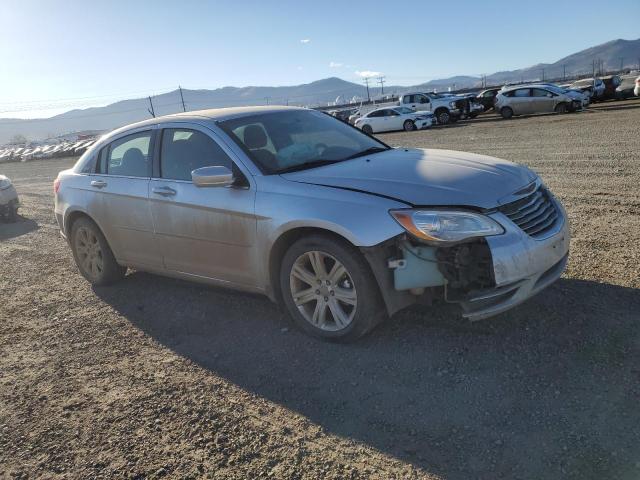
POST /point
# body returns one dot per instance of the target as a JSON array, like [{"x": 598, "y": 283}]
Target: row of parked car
[
  {"x": 420, "y": 110},
  {"x": 24, "y": 153}
]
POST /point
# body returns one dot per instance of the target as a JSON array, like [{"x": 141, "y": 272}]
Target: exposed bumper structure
[{"x": 522, "y": 265}]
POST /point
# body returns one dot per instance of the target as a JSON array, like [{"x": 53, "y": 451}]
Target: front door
[
  {"x": 204, "y": 231},
  {"x": 542, "y": 100}
]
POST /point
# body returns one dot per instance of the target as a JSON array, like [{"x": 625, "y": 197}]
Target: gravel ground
[{"x": 156, "y": 377}]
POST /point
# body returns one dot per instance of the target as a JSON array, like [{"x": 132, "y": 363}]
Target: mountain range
[{"x": 608, "y": 56}]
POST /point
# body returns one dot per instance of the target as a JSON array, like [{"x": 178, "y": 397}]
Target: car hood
[{"x": 424, "y": 177}]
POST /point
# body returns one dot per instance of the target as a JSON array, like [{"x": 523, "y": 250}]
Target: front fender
[{"x": 282, "y": 206}]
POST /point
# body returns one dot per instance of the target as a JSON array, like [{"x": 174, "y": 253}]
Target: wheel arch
[{"x": 281, "y": 244}]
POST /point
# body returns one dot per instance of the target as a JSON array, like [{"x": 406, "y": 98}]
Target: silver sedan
[{"x": 333, "y": 224}]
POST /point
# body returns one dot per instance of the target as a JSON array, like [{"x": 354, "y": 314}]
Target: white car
[
  {"x": 636, "y": 90},
  {"x": 9, "y": 202},
  {"x": 394, "y": 118}
]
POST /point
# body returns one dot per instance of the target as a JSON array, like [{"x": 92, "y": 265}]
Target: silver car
[
  {"x": 338, "y": 227},
  {"x": 528, "y": 99}
]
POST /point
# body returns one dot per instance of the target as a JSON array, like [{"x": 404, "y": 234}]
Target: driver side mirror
[{"x": 212, "y": 177}]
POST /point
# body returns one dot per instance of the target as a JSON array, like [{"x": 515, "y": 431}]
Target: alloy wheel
[
  {"x": 323, "y": 291},
  {"x": 89, "y": 252}
]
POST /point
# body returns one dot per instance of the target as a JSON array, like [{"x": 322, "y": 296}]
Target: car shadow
[
  {"x": 21, "y": 227},
  {"x": 544, "y": 391}
]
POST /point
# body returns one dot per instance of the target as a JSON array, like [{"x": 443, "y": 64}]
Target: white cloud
[
  {"x": 335, "y": 65},
  {"x": 305, "y": 40},
  {"x": 368, "y": 74},
  {"x": 299, "y": 67}
]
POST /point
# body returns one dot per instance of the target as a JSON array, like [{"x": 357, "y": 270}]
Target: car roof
[{"x": 212, "y": 114}]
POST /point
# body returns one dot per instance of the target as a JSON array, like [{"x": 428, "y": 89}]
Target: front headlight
[
  {"x": 452, "y": 104},
  {"x": 446, "y": 225}
]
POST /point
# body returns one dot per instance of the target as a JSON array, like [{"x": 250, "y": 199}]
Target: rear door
[
  {"x": 377, "y": 120},
  {"x": 120, "y": 187},
  {"x": 203, "y": 231},
  {"x": 521, "y": 101}
]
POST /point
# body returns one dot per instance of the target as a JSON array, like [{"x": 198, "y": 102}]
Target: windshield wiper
[
  {"x": 367, "y": 152},
  {"x": 307, "y": 165}
]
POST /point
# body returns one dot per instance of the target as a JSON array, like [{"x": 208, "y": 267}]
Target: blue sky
[{"x": 58, "y": 55}]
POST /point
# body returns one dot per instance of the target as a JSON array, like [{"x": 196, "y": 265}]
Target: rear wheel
[
  {"x": 409, "y": 126},
  {"x": 328, "y": 289},
  {"x": 561, "y": 108},
  {"x": 506, "y": 112},
  {"x": 367, "y": 129},
  {"x": 93, "y": 255}
]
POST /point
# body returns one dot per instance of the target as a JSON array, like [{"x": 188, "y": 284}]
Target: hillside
[{"x": 321, "y": 91}]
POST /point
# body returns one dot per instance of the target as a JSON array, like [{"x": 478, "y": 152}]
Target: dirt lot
[{"x": 156, "y": 377}]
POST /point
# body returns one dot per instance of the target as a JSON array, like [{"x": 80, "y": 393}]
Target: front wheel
[
  {"x": 329, "y": 290},
  {"x": 93, "y": 255},
  {"x": 561, "y": 108},
  {"x": 409, "y": 126}
]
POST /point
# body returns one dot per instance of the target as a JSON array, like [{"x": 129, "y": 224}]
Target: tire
[
  {"x": 561, "y": 108},
  {"x": 443, "y": 117},
  {"x": 409, "y": 126},
  {"x": 473, "y": 114},
  {"x": 311, "y": 296},
  {"x": 506, "y": 112},
  {"x": 92, "y": 254},
  {"x": 367, "y": 129},
  {"x": 12, "y": 212}
]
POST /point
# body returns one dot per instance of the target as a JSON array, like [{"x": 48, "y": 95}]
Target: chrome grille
[{"x": 536, "y": 213}]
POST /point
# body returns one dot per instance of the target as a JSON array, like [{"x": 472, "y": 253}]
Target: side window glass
[
  {"x": 185, "y": 150},
  {"x": 538, "y": 92},
  {"x": 422, "y": 99},
  {"x": 407, "y": 99},
  {"x": 129, "y": 156},
  {"x": 523, "y": 92}
]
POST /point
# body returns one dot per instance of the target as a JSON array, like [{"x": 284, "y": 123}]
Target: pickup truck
[{"x": 447, "y": 109}]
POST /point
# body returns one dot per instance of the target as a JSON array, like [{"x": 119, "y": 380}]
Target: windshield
[
  {"x": 403, "y": 110},
  {"x": 297, "y": 139}
]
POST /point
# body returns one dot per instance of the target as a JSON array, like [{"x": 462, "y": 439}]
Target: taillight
[{"x": 56, "y": 185}]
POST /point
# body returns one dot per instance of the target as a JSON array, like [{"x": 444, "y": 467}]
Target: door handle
[
  {"x": 164, "y": 191},
  {"x": 98, "y": 184}
]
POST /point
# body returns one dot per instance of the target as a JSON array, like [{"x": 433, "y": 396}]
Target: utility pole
[
  {"x": 381, "y": 82},
  {"x": 366, "y": 82},
  {"x": 267, "y": 99},
  {"x": 564, "y": 72},
  {"x": 543, "y": 74},
  {"x": 621, "y": 63},
  {"x": 184, "y": 109},
  {"x": 150, "y": 110}
]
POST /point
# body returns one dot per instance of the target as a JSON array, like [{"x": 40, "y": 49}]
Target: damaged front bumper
[{"x": 485, "y": 277}]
